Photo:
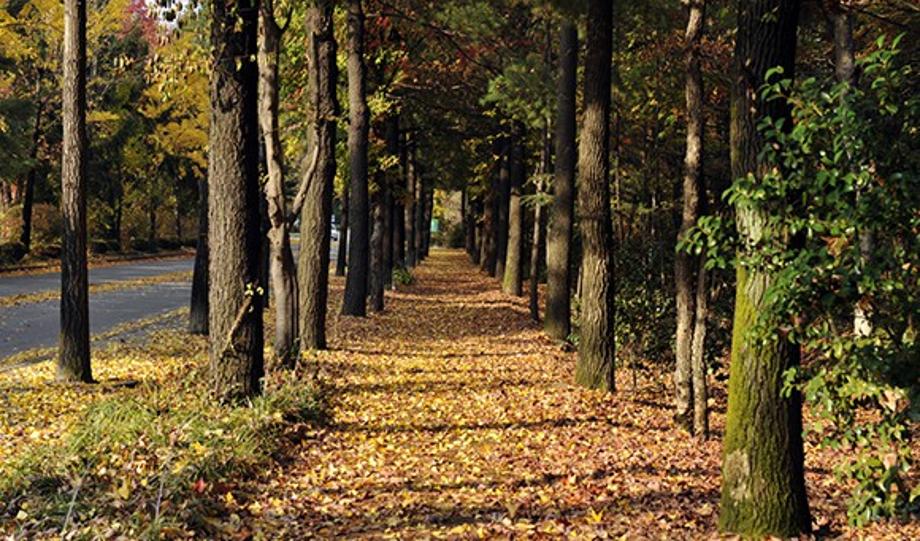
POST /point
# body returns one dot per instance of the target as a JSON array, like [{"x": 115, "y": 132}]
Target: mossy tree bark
[
  {"x": 357, "y": 276},
  {"x": 558, "y": 315},
  {"x": 282, "y": 272},
  {"x": 234, "y": 222},
  {"x": 313, "y": 271},
  {"x": 596, "y": 352},
  {"x": 73, "y": 356},
  {"x": 763, "y": 484}
]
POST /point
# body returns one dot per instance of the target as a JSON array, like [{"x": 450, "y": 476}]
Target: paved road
[{"x": 36, "y": 325}]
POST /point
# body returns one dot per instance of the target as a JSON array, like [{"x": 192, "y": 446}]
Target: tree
[
  {"x": 198, "y": 311},
  {"x": 73, "y": 357},
  {"x": 355, "y": 301},
  {"x": 512, "y": 280},
  {"x": 377, "y": 282},
  {"x": 316, "y": 194},
  {"x": 689, "y": 380},
  {"x": 341, "y": 256},
  {"x": 763, "y": 484},
  {"x": 502, "y": 204},
  {"x": 559, "y": 234},
  {"x": 595, "y": 368},
  {"x": 235, "y": 298},
  {"x": 282, "y": 272}
]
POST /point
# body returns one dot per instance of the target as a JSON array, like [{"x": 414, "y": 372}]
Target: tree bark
[
  {"x": 503, "y": 203},
  {"x": 198, "y": 311},
  {"x": 595, "y": 367},
  {"x": 421, "y": 204},
  {"x": 375, "y": 293},
  {"x": 341, "y": 254},
  {"x": 234, "y": 221},
  {"x": 73, "y": 357},
  {"x": 282, "y": 272},
  {"x": 313, "y": 271},
  {"x": 693, "y": 191},
  {"x": 698, "y": 354},
  {"x": 559, "y": 233},
  {"x": 356, "y": 279},
  {"x": 411, "y": 208},
  {"x": 487, "y": 238},
  {"x": 512, "y": 279},
  {"x": 391, "y": 141},
  {"x": 28, "y": 196},
  {"x": 763, "y": 484}
]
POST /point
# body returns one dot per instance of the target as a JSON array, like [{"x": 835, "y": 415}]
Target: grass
[{"x": 145, "y": 453}]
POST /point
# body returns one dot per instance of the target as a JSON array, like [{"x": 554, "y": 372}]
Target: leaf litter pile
[
  {"x": 454, "y": 416},
  {"x": 450, "y": 416}
]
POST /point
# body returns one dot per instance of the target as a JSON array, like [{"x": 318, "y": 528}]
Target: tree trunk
[
  {"x": 503, "y": 202},
  {"x": 697, "y": 355},
  {"x": 559, "y": 233},
  {"x": 693, "y": 192},
  {"x": 342, "y": 252},
  {"x": 28, "y": 196},
  {"x": 234, "y": 221},
  {"x": 391, "y": 181},
  {"x": 426, "y": 220},
  {"x": 535, "y": 263},
  {"x": 73, "y": 359},
  {"x": 763, "y": 484},
  {"x": 411, "y": 207},
  {"x": 595, "y": 367},
  {"x": 841, "y": 20},
  {"x": 356, "y": 279},
  {"x": 198, "y": 312},
  {"x": 487, "y": 238},
  {"x": 420, "y": 205},
  {"x": 282, "y": 272},
  {"x": 375, "y": 293},
  {"x": 315, "y": 221},
  {"x": 512, "y": 279}
]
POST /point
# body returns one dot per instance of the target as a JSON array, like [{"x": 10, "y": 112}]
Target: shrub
[
  {"x": 402, "y": 276},
  {"x": 11, "y": 253}
]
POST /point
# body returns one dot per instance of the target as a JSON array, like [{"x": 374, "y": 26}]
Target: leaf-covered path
[{"x": 454, "y": 416}]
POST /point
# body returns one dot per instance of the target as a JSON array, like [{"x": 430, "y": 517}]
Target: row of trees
[{"x": 462, "y": 96}]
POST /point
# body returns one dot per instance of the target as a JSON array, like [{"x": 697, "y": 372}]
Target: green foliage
[
  {"x": 402, "y": 276},
  {"x": 845, "y": 172}
]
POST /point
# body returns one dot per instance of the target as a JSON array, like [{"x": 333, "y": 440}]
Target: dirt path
[{"x": 454, "y": 415}]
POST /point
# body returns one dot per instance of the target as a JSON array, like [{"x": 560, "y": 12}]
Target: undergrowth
[{"x": 145, "y": 459}]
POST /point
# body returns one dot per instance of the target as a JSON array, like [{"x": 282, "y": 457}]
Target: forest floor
[
  {"x": 450, "y": 415},
  {"x": 453, "y": 415}
]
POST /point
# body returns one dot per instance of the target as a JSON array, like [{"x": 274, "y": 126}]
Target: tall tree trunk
[
  {"x": 28, "y": 196},
  {"x": 73, "y": 358},
  {"x": 198, "y": 312},
  {"x": 234, "y": 221},
  {"x": 282, "y": 272},
  {"x": 841, "y": 22},
  {"x": 546, "y": 165},
  {"x": 375, "y": 293},
  {"x": 313, "y": 271},
  {"x": 428, "y": 217},
  {"x": 698, "y": 354},
  {"x": 763, "y": 484},
  {"x": 391, "y": 181},
  {"x": 685, "y": 264},
  {"x": 596, "y": 353},
  {"x": 487, "y": 238},
  {"x": 420, "y": 205},
  {"x": 412, "y": 206},
  {"x": 342, "y": 252},
  {"x": 502, "y": 203},
  {"x": 356, "y": 279},
  {"x": 559, "y": 232},
  {"x": 512, "y": 280}
]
